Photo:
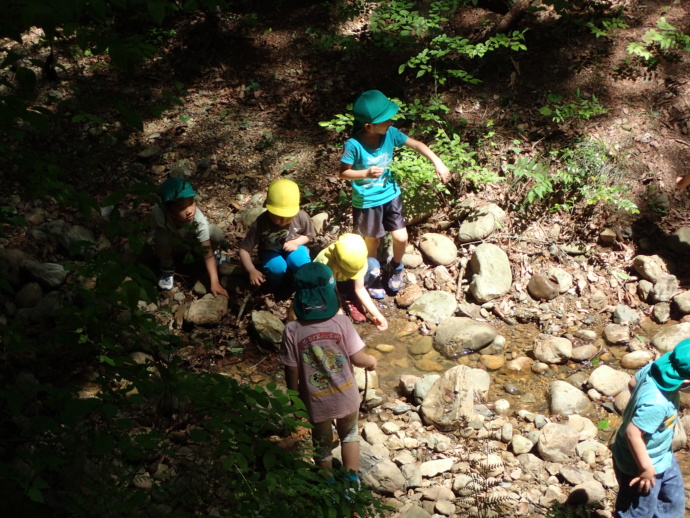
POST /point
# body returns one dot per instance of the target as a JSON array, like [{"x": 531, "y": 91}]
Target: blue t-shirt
[
  {"x": 372, "y": 192},
  {"x": 655, "y": 412}
]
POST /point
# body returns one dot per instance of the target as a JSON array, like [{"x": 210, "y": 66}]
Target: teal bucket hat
[
  {"x": 373, "y": 107},
  {"x": 174, "y": 189},
  {"x": 315, "y": 295},
  {"x": 673, "y": 368}
]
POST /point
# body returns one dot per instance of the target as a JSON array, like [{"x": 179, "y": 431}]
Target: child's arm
[
  {"x": 420, "y": 147},
  {"x": 683, "y": 181},
  {"x": 291, "y": 377},
  {"x": 347, "y": 173},
  {"x": 212, "y": 269},
  {"x": 256, "y": 278},
  {"x": 361, "y": 292},
  {"x": 363, "y": 360},
  {"x": 645, "y": 478},
  {"x": 291, "y": 246}
]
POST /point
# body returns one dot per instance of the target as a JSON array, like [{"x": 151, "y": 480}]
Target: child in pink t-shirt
[{"x": 319, "y": 350}]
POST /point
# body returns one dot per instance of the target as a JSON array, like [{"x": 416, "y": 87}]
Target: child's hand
[
  {"x": 374, "y": 172},
  {"x": 217, "y": 289},
  {"x": 256, "y": 278},
  {"x": 380, "y": 322},
  {"x": 645, "y": 480},
  {"x": 443, "y": 173},
  {"x": 290, "y": 246}
]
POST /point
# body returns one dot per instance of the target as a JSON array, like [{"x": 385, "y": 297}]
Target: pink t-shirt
[{"x": 321, "y": 351}]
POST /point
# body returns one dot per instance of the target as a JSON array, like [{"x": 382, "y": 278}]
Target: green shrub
[
  {"x": 653, "y": 41},
  {"x": 582, "y": 108}
]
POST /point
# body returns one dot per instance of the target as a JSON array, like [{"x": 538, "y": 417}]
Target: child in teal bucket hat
[
  {"x": 376, "y": 198},
  {"x": 179, "y": 226},
  {"x": 319, "y": 350},
  {"x": 649, "y": 479}
]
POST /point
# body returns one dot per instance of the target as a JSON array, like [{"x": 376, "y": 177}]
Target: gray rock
[
  {"x": 682, "y": 302},
  {"x": 680, "y": 241},
  {"x": 552, "y": 349},
  {"x": 407, "y": 382},
  {"x": 183, "y": 168},
  {"x": 455, "y": 335},
  {"x": 665, "y": 288},
  {"x": 412, "y": 259},
  {"x": 589, "y": 492},
  {"x": 575, "y": 248},
  {"x": 451, "y": 399},
  {"x": 566, "y": 399},
  {"x": 586, "y": 334},
  {"x": 445, "y": 508},
  {"x": 319, "y": 221},
  {"x": 438, "y": 248},
  {"x": 530, "y": 462},
  {"x": 557, "y": 442},
  {"x": 497, "y": 346},
  {"x": 616, "y": 334},
  {"x": 208, "y": 310},
  {"x": 50, "y": 275},
  {"x": 625, "y": 315},
  {"x": 431, "y": 468},
  {"x": 583, "y": 426},
  {"x": 412, "y": 474},
  {"x": 76, "y": 239},
  {"x": 480, "y": 223},
  {"x": 373, "y": 434},
  {"x": 366, "y": 379},
  {"x": 621, "y": 400},
  {"x": 661, "y": 312},
  {"x": 492, "y": 276},
  {"x": 29, "y": 295},
  {"x": 608, "y": 381},
  {"x": 46, "y": 310},
  {"x": 423, "y": 386},
  {"x": 584, "y": 352},
  {"x": 421, "y": 345},
  {"x": 651, "y": 267},
  {"x": 666, "y": 339},
  {"x": 644, "y": 289},
  {"x": 607, "y": 237},
  {"x": 268, "y": 328},
  {"x": 11, "y": 260},
  {"x": 434, "y": 306},
  {"x": 385, "y": 477},
  {"x": 521, "y": 444},
  {"x": 249, "y": 216},
  {"x": 415, "y": 512}
]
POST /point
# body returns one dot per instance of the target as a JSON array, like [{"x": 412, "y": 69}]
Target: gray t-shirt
[
  {"x": 271, "y": 237},
  {"x": 160, "y": 219}
]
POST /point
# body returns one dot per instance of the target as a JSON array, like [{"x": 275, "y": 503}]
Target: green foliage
[
  {"x": 608, "y": 26},
  {"x": 582, "y": 108},
  {"x": 586, "y": 175},
  {"x": 653, "y": 41},
  {"x": 603, "y": 424}
]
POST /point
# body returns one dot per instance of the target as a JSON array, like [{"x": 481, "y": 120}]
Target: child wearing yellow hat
[
  {"x": 347, "y": 258},
  {"x": 649, "y": 479},
  {"x": 280, "y": 233}
]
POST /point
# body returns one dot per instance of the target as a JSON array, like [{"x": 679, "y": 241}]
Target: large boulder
[
  {"x": 492, "y": 276},
  {"x": 481, "y": 222},
  {"x": 450, "y": 402},
  {"x": 566, "y": 399},
  {"x": 207, "y": 311},
  {"x": 552, "y": 349},
  {"x": 608, "y": 381},
  {"x": 456, "y": 335},
  {"x": 557, "y": 442},
  {"x": 434, "y": 306},
  {"x": 268, "y": 328},
  {"x": 667, "y": 339},
  {"x": 438, "y": 248}
]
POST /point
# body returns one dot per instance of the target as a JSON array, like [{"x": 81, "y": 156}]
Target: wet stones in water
[
  {"x": 519, "y": 365},
  {"x": 584, "y": 353},
  {"x": 539, "y": 367},
  {"x": 455, "y": 335},
  {"x": 385, "y": 348},
  {"x": 541, "y": 287},
  {"x": 434, "y": 306},
  {"x": 552, "y": 349},
  {"x": 409, "y": 295},
  {"x": 420, "y": 346},
  {"x": 512, "y": 388},
  {"x": 426, "y": 365},
  {"x": 492, "y": 362}
]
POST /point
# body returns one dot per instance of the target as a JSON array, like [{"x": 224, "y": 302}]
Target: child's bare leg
[
  {"x": 348, "y": 433},
  {"x": 399, "y": 244},
  {"x": 350, "y": 452},
  {"x": 372, "y": 245}
]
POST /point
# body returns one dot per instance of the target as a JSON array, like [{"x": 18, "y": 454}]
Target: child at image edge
[
  {"x": 177, "y": 221},
  {"x": 649, "y": 479},
  {"x": 318, "y": 352},
  {"x": 280, "y": 233},
  {"x": 376, "y": 200}
]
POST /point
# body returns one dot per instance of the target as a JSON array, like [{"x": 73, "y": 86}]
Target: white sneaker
[{"x": 165, "y": 281}]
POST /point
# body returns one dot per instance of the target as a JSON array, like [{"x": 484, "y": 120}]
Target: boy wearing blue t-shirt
[
  {"x": 376, "y": 200},
  {"x": 649, "y": 479}
]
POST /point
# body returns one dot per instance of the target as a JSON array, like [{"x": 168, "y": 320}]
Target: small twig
[
  {"x": 459, "y": 294},
  {"x": 363, "y": 406},
  {"x": 259, "y": 363},
  {"x": 251, "y": 294}
]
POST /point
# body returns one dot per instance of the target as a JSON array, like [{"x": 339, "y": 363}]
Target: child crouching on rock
[
  {"x": 179, "y": 226},
  {"x": 649, "y": 479},
  {"x": 319, "y": 350}
]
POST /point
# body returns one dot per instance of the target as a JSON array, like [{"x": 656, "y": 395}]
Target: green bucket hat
[
  {"x": 315, "y": 295},
  {"x": 373, "y": 107},
  {"x": 174, "y": 189},
  {"x": 673, "y": 368}
]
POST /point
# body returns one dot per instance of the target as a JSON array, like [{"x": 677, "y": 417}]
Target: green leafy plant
[
  {"x": 667, "y": 37},
  {"x": 608, "y": 26},
  {"x": 582, "y": 108}
]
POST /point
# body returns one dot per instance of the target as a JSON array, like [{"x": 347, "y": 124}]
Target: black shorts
[{"x": 376, "y": 221}]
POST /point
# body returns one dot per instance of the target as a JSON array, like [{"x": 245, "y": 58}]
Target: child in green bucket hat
[
  {"x": 649, "y": 479},
  {"x": 319, "y": 350}
]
